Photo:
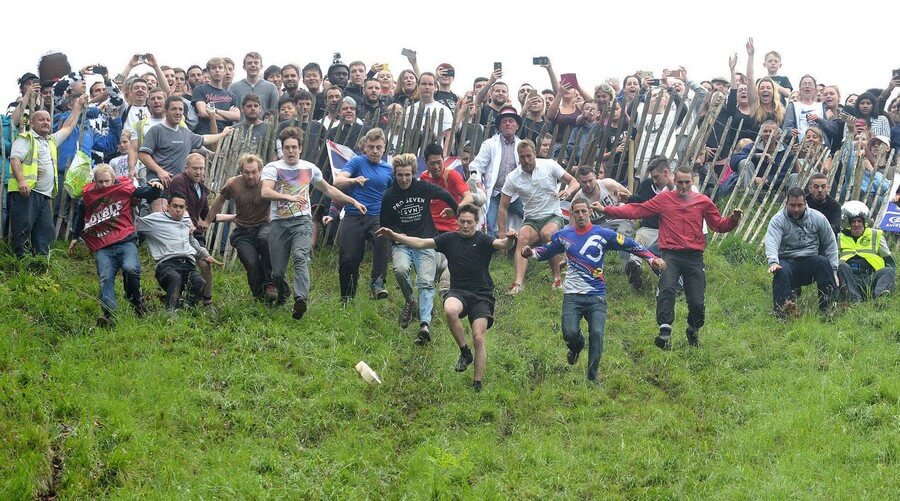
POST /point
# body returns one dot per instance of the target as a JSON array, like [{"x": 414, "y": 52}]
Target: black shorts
[{"x": 474, "y": 305}]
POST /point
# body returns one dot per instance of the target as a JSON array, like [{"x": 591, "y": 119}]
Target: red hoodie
[{"x": 680, "y": 221}]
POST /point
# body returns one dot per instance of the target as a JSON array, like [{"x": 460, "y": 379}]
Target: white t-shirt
[
  {"x": 538, "y": 190},
  {"x": 800, "y": 112},
  {"x": 434, "y": 109},
  {"x": 291, "y": 180}
]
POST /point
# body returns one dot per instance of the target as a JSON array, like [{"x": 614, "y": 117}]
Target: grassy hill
[{"x": 241, "y": 401}]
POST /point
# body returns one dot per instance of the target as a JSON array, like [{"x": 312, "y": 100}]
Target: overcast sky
[{"x": 578, "y": 37}]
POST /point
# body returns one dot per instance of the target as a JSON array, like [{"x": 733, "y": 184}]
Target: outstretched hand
[
  {"x": 527, "y": 251},
  {"x": 736, "y": 215},
  {"x": 658, "y": 263},
  {"x": 774, "y": 267},
  {"x": 212, "y": 260},
  {"x": 386, "y": 233}
]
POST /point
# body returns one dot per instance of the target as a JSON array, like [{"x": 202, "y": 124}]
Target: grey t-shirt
[
  {"x": 170, "y": 147},
  {"x": 45, "y": 178},
  {"x": 266, "y": 91}
]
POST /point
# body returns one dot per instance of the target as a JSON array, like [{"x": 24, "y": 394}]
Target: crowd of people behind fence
[{"x": 201, "y": 168}]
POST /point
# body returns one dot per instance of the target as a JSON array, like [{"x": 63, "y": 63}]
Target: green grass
[{"x": 242, "y": 402}]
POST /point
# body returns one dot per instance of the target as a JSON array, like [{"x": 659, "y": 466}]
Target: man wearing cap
[
  {"x": 536, "y": 183},
  {"x": 495, "y": 160},
  {"x": 720, "y": 84},
  {"x": 866, "y": 267},
  {"x": 445, "y": 75}
]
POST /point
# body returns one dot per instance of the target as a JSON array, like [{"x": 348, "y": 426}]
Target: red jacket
[{"x": 680, "y": 221}]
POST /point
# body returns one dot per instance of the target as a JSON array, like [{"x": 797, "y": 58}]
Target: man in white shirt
[
  {"x": 286, "y": 184},
  {"x": 536, "y": 183}
]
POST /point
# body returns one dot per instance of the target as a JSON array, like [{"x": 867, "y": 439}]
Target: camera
[
  {"x": 336, "y": 58},
  {"x": 537, "y": 61}
]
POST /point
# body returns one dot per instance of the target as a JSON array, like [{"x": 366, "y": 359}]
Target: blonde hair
[
  {"x": 405, "y": 160},
  {"x": 247, "y": 158},
  {"x": 776, "y": 111},
  {"x": 103, "y": 168}
]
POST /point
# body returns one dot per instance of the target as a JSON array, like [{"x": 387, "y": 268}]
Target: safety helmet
[{"x": 852, "y": 210}]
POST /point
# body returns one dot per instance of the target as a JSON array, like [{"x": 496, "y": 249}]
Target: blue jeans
[
  {"x": 515, "y": 207},
  {"x": 112, "y": 258},
  {"x": 593, "y": 309},
  {"x": 424, "y": 261}
]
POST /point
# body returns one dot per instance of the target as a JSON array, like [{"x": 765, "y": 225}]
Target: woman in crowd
[
  {"x": 407, "y": 89},
  {"x": 866, "y": 109},
  {"x": 806, "y": 111}
]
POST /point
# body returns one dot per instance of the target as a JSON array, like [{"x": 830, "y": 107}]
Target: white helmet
[{"x": 852, "y": 210}]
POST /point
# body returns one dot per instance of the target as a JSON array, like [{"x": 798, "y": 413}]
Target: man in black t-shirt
[{"x": 471, "y": 291}]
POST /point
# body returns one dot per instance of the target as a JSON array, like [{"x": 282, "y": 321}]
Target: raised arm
[{"x": 751, "y": 83}]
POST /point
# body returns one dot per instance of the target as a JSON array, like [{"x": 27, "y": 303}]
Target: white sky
[{"x": 814, "y": 39}]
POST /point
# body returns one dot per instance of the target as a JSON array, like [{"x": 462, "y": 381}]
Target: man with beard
[
  {"x": 801, "y": 249},
  {"x": 251, "y": 109},
  {"x": 372, "y": 109},
  {"x": 104, "y": 220},
  {"x": 535, "y": 182},
  {"x": 290, "y": 79},
  {"x": 681, "y": 242},
  {"x": 819, "y": 199},
  {"x": 250, "y": 237},
  {"x": 497, "y": 94}
]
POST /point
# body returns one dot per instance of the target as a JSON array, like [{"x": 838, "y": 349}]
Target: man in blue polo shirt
[{"x": 365, "y": 178}]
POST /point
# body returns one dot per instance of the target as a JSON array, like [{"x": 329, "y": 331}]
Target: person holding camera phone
[{"x": 445, "y": 76}]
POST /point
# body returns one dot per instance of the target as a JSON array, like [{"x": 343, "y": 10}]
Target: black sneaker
[
  {"x": 572, "y": 356},
  {"x": 424, "y": 335},
  {"x": 662, "y": 343},
  {"x": 476, "y": 385},
  {"x": 633, "y": 272},
  {"x": 299, "y": 308},
  {"x": 465, "y": 359},
  {"x": 406, "y": 314},
  {"x": 692, "y": 338},
  {"x": 140, "y": 310}
]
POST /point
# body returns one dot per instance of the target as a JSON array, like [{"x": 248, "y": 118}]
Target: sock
[{"x": 665, "y": 331}]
